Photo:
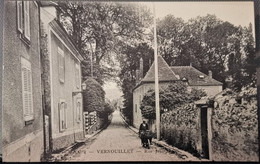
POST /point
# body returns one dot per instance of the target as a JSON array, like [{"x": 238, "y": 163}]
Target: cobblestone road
[{"x": 118, "y": 143}]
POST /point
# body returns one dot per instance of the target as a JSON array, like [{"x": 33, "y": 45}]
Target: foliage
[
  {"x": 210, "y": 44},
  {"x": 108, "y": 109},
  {"x": 93, "y": 96},
  {"x": 171, "y": 97},
  {"x": 235, "y": 125},
  {"x": 179, "y": 128},
  {"x": 102, "y": 28},
  {"x": 129, "y": 62}
]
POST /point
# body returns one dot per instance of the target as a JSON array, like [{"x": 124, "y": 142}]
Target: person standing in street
[{"x": 143, "y": 127}]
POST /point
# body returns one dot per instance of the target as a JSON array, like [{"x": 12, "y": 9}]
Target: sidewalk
[
  {"x": 180, "y": 153},
  {"x": 55, "y": 157}
]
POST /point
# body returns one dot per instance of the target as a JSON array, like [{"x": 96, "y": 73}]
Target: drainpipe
[{"x": 257, "y": 34}]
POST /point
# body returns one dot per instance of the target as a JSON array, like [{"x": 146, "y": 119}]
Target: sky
[{"x": 237, "y": 13}]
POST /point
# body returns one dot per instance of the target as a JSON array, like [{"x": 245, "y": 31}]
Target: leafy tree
[
  {"x": 170, "y": 97},
  {"x": 101, "y": 28},
  {"x": 130, "y": 62},
  {"x": 209, "y": 44},
  {"x": 93, "y": 96}
]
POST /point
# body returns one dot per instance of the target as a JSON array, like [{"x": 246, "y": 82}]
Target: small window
[
  {"x": 62, "y": 115},
  {"x": 27, "y": 90},
  {"x": 23, "y": 19},
  {"x": 61, "y": 61},
  {"x": 135, "y": 107},
  {"x": 77, "y": 75}
]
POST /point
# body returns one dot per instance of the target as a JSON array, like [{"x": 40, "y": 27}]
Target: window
[
  {"x": 135, "y": 107},
  {"x": 62, "y": 115},
  {"x": 78, "y": 110},
  {"x": 23, "y": 19},
  {"x": 27, "y": 90},
  {"x": 77, "y": 75},
  {"x": 61, "y": 60}
]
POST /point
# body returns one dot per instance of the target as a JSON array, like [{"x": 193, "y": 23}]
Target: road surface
[{"x": 118, "y": 143}]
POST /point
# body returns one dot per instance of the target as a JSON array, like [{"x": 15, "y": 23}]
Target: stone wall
[
  {"x": 180, "y": 127},
  {"x": 235, "y": 126}
]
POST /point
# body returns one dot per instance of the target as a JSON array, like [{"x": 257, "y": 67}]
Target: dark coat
[{"x": 143, "y": 126}]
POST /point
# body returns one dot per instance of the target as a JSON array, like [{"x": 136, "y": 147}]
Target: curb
[
  {"x": 60, "y": 156},
  {"x": 180, "y": 153}
]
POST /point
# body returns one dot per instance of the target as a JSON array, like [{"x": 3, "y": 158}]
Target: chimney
[
  {"x": 210, "y": 73},
  {"x": 136, "y": 76},
  {"x": 141, "y": 68}
]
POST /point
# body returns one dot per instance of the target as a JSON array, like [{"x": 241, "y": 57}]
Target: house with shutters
[
  {"x": 22, "y": 125},
  {"x": 166, "y": 75},
  {"x": 61, "y": 80}
]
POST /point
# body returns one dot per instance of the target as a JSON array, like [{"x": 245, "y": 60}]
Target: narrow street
[{"x": 119, "y": 143}]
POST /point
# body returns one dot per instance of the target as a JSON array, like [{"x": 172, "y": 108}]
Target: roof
[
  {"x": 193, "y": 76},
  {"x": 164, "y": 72},
  {"x": 58, "y": 28}
]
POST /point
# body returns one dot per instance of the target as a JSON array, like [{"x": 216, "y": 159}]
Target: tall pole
[{"x": 157, "y": 106}]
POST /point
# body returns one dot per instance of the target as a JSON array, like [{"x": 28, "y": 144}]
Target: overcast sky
[{"x": 237, "y": 13}]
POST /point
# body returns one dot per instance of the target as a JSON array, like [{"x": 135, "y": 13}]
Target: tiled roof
[
  {"x": 164, "y": 72},
  {"x": 193, "y": 76}
]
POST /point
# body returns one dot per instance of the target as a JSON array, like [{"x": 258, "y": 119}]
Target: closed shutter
[
  {"x": 61, "y": 116},
  {"x": 27, "y": 90},
  {"x": 77, "y": 76},
  {"x": 27, "y": 19},
  {"x": 61, "y": 60},
  {"x": 65, "y": 116},
  {"x": 20, "y": 16}
]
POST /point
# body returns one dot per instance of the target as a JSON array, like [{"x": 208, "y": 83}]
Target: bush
[
  {"x": 171, "y": 97},
  {"x": 93, "y": 96}
]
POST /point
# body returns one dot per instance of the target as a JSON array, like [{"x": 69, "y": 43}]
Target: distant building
[
  {"x": 22, "y": 132},
  {"x": 61, "y": 62},
  {"x": 187, "y": 74}
]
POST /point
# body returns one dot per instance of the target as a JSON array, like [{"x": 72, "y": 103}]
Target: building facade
[
  {"x": 62, "y": 84},
  {"x": 22, "y": 132},
  {"x": 167, "y": 75}
]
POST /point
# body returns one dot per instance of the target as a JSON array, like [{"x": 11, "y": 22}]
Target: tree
[
  {"x": 93, "y": 96},
  {"x": 170, "y": 97},
  {"x": 209, "y": 44},
  {"x": 101, "y": 28},
  {"x": 130, "y": 62}
]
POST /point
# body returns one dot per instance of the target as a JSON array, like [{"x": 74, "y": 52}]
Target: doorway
[{"x": 204, "y": 132}]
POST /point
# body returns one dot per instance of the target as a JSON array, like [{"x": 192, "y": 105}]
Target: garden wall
[
  {"x": 234, "y": 127},
  {"x": 181, "y": 128}
]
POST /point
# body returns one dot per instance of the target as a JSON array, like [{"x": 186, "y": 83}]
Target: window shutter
[
  {"x": 27, "y": 90},
  {"x": 27, "y": 19},
  {"x": 60, "y": 116},
  {"x": 77, "y": 76},
  {"x": 61, "y": 60},
  {"x": 65, "y": 116},
  {"x": 20, "y": 16}
]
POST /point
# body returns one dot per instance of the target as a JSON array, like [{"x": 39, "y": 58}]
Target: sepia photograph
[{"x": 130, "y": 81}]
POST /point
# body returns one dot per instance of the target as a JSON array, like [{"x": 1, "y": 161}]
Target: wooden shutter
[
  {"x": 61, "y": 116},
  {"x": 27, "y": 90},
  {"x": 19, "y": 16},
  {"x": 61, "y": 60},
  {"x": 65, "y": 116},
  {"x": 27, "y": 19},
  {"x": 77, "y": 78}
]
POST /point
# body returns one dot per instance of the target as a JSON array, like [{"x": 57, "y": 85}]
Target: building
[
  {"x": 61, "y": 72},
  {"x": 188, "y": 74},
  {"x": 22, "y": 128},
  {"x": 197, "y": 79}
]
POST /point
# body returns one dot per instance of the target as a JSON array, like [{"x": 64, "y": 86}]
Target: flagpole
[{"x": 157, "y": 105}]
